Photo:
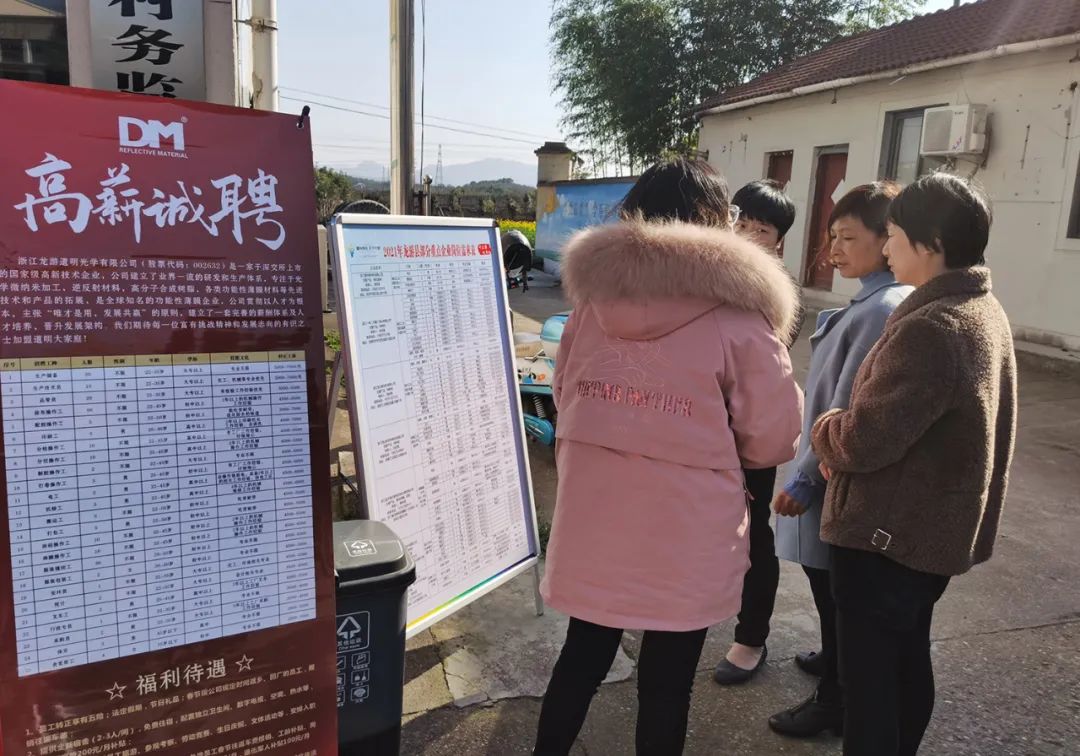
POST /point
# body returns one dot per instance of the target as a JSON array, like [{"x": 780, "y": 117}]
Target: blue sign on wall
[{"x": 577, "y": 205}]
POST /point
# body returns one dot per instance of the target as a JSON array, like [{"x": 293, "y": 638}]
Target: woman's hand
[
  {"x": 785, "y": 506},
  {"x": 825, "y": 471}
]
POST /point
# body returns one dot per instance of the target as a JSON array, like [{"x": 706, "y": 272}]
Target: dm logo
[{"x": 150, "y": 135}]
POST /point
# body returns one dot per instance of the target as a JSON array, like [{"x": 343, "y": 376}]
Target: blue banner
[{"x": 577, "y": 205}]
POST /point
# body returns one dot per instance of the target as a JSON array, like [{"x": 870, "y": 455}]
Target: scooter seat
[{"x": 551, "y": 334}]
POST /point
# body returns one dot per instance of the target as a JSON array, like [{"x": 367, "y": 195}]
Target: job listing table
[{"x": 155, "y": 501}]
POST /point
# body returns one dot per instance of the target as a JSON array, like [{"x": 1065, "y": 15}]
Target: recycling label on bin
[
  {"x": 353, "y": 658},
  {"x": 360, "y": 547}
]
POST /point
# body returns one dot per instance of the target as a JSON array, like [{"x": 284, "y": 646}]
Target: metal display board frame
[{"x": 352, "y": 370}]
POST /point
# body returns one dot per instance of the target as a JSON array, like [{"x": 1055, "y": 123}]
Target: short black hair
[
  {"x": 869, "y": 203},
  {"x": 947, "y": 214},
  {"x": 764, "y": 201},
  {"x": 679, "y": 189}
]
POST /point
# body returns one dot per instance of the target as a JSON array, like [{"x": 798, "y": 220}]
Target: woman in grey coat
[{"x": 842, "y": 338}]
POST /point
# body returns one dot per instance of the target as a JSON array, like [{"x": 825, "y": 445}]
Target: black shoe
[
  {"x": 808, "y": 719},
  {"x": 728, "y": 674},
  {"x": 811, "y": 662}
]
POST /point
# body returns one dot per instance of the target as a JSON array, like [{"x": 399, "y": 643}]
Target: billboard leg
[
  {"x": 536, "y": 590},
  {"x": 332, "y": 394}
]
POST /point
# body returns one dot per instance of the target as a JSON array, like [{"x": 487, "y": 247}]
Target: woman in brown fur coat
[{"x": 918, "y": 464}]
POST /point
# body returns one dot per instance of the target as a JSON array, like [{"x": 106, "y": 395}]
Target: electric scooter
[
  {"x": 535, "y": 357},
  {"x": 536, "y": 376}
]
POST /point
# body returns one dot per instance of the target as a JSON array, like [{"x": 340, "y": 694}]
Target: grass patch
[
  {"x": 332, "y": 339},
  {"x": 544, "y": 533}
]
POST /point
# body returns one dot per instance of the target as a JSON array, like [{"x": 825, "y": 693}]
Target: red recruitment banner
[{"x": 166, "y": 584}]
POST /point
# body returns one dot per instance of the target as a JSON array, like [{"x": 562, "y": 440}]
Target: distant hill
[
  {"x": 487, "y": 170},
  {"x": 497, "y": 187},
  {"x": 490, "y": 169},
  {"x": 368, "y": 170},
  {"x": 369, "y": 184}
]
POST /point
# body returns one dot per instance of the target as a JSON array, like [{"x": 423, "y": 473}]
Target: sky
[{"x": 487, "y": 64}]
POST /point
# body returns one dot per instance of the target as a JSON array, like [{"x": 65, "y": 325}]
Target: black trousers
[
  {"x": 761, "y": 580},
  {"x": 829, "y": 689},
  {"x": 666, "y": 670},
  {"x": 884, "y": 610}
]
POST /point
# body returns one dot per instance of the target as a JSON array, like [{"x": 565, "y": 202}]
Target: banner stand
[
  {"x": 331, "y": 402},
  {"x": 425, "y": 327},
  {"x": 166, "y": 539},
  {"x": 334, "y": 393}
]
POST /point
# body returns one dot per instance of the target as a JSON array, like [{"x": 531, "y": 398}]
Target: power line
[
  {"x": 347, "y": 140},
  {"x": 335, "y": 107},
  {"x": 431, "y": 118},
  {"x": 430, "y": 125},
  {"x": 381, "y": 147}
]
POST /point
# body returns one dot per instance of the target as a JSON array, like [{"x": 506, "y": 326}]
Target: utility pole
[
  {"x": 264, "y": 68},
  {"x": 401, "y": 106}
]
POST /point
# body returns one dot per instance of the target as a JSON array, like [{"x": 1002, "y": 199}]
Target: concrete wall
[{"x": 1030, "y": 173}]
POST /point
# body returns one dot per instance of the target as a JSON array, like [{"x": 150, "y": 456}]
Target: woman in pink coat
[{"x": 672, "y": 376}]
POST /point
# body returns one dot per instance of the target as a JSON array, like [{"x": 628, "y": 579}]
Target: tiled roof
[{"x": 971, "y": 28}]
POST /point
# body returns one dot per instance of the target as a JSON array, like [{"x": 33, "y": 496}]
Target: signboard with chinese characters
[
  {"x": 165, "y": 571},
  {"x": 434, "y": 403},
  {"x": 151, "y": 47}
]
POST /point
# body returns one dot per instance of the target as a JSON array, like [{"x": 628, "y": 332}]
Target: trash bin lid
[{"x": 367, "y": 549}]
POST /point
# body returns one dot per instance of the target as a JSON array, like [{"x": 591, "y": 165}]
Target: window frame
[
  {"x": 1072, "y": 224},
  {"x": 890, "y": 142},
  {"x": 45, "y": 67}
]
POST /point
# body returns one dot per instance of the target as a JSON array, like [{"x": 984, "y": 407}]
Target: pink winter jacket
[{"x": 671, "y": 377}]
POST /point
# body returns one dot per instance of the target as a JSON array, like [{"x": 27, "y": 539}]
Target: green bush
[
  {"x": 332, "y": 339},
  {"x": 544, "y": 534},
  {"x": 526, "y": 227}
]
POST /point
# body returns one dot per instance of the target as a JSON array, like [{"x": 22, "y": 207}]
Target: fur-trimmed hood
[{"x": 626, "y": 269}]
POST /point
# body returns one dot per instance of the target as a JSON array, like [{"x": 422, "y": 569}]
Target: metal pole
[
  {"x": 425, "y": 201},
  {"x": 401, "y": 106},
  {"x": 264, "y": 57},
  {"x": 333, "y": 392}
]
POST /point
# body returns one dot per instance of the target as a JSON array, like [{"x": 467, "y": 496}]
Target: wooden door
[
  {"x": 779, "y": 170},
  {"x": 831, "y": 169},
  {"x": 780, "y": 167}
]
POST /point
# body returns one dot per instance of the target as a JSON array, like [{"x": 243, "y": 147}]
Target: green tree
[
  {"x": 629, "y": 72},
  {"x": 870, "y": 14},
  {"x": 616, "y": 67},
  {"x": 487, "y": 207},
  {"x": 331, "y": 189}
]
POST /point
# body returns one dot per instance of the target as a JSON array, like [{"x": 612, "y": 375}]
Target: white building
[{"x": 854, "y": 112}]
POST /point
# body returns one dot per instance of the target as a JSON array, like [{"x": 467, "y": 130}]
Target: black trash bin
[{"x": 374, "y": 570}]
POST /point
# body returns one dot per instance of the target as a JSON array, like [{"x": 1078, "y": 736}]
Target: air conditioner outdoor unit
[{"x": 954, "y": 130}]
